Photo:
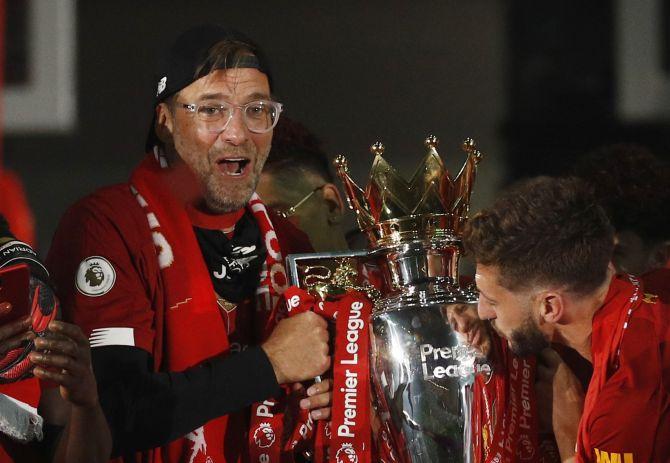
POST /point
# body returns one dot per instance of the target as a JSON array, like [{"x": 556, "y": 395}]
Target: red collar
[
  {"x": 619, "y": 291},
  {"x": 213, "y": 221}
]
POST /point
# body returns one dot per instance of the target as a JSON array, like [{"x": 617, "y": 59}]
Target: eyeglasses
[
  {"x": 259, "y": 116},
  {"x": 286, "y": 213}
]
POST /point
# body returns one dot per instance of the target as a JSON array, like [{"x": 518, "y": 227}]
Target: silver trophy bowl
[{"x": 423, "y": 369}]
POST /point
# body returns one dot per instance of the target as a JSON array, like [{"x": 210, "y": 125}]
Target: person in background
[
  {"x": 54, "y": 415},
  {"x": 633, "y": 187},
  {"x": 298, "y": 183}
]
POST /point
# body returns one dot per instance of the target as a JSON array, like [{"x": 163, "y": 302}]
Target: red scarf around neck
[{"x": 192, "y": 328}]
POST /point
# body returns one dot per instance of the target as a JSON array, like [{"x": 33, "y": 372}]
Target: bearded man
[
  {"x": 544, "y": 274},
  {"x": 190, "y": 266}
]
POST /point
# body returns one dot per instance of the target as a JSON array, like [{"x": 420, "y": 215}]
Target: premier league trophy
[{"x": 422, "y": 368}]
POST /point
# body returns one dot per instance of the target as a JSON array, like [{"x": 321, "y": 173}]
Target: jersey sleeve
[{"x": 98, "y": 264}]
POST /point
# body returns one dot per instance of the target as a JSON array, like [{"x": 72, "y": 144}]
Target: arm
[
  {"x": 86, "y": 437},
  {"x": 561, "y": 392},
  {"x": 63, "y": 357},
  {"x": 147, "y": 409}
]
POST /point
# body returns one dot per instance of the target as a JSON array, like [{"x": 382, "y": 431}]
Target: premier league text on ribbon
[
  {"x": 354, "y": 326},
  {"x": 523, "y": 421}
]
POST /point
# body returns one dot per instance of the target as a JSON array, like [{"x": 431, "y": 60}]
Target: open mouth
[{"x": 235, "y": 167}]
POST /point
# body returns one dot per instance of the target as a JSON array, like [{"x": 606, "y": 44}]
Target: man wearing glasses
[
  {"x": 183, "y": 266},
  {"x": 298, "y": 184}
]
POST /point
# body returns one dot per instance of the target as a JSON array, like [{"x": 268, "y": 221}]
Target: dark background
[{"x": 535, "y": 86}]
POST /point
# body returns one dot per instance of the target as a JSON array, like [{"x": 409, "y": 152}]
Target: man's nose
[
  {"x": 236, "y": 131},
  {"x": 485, "y": 312}
]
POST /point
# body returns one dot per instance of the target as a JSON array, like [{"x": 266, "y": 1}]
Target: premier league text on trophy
[{"x": 431, "y": 355}]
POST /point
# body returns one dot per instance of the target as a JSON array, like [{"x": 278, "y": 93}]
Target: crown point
[
  {"x": 340, "y": 163},
  {"x": 469, "y": 145},
  {"x": 431, "y": 141},
  {"x": 377, "y": 148},
  {"x": 477, "y": 155}
]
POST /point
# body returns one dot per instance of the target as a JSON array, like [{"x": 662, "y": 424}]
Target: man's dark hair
[
  {"x": 296, "y": 150},
  {"x": 196, "y": 53},
  {"x": 544, "y": 231},
  {"x": 225, "y": 54},
  {"x": 633, "y": 186}
]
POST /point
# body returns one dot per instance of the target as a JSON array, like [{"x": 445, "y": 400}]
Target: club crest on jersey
[
  {"x": 95, "y": 276},
  {"x": 346, "y": 454},
  {"x": 264, "y": 436}
]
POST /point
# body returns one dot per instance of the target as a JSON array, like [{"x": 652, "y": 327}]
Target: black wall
[{"x": 562, "y": 77}]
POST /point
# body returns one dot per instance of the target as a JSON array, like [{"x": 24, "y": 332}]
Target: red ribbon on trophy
[
  {"x": 505, "y": 412},
  {"x": 346, "y": 439},
  {"x": 350, "y": 441}
]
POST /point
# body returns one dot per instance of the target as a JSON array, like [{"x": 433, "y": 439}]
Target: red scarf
[{"x": 192, "y": 328}]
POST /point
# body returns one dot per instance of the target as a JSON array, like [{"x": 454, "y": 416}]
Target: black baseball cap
[{"x": 178, "y": 65}]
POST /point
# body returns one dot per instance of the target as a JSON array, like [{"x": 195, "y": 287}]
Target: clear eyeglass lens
[
  {"x": 213, "y": 112},
  {"x": 259, "y": 116}
]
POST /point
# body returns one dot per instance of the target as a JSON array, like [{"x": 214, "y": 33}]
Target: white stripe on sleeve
[{"x": 112, "y": 337}]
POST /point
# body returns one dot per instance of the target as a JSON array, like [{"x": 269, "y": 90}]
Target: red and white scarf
[{"x": 191, "y": 328}]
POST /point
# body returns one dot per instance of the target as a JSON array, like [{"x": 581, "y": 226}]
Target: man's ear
[
  {"x": 164, "y": 123},
  {"x": 335, "y": 204},
  {"x": 552, "y": 307}
]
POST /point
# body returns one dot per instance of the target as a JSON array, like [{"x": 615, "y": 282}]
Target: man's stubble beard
[
  {"x": 527, "y": 340},
  {"x": 221, "y": 196}
]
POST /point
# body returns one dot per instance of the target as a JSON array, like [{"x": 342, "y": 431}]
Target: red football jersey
[
  {"x": 103, "y": 264},
  {"x": 627, "y": 407},
  {"x": 105, "y": 261}
]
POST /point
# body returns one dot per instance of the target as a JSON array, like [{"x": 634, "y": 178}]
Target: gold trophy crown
[{"x": 432, "y": 205}]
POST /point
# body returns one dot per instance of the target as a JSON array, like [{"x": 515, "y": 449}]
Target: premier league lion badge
[
  {"x": 95, "y": 276},
  {"x": 346, "y": 454},
  {"x": 264, "y": 435}
]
